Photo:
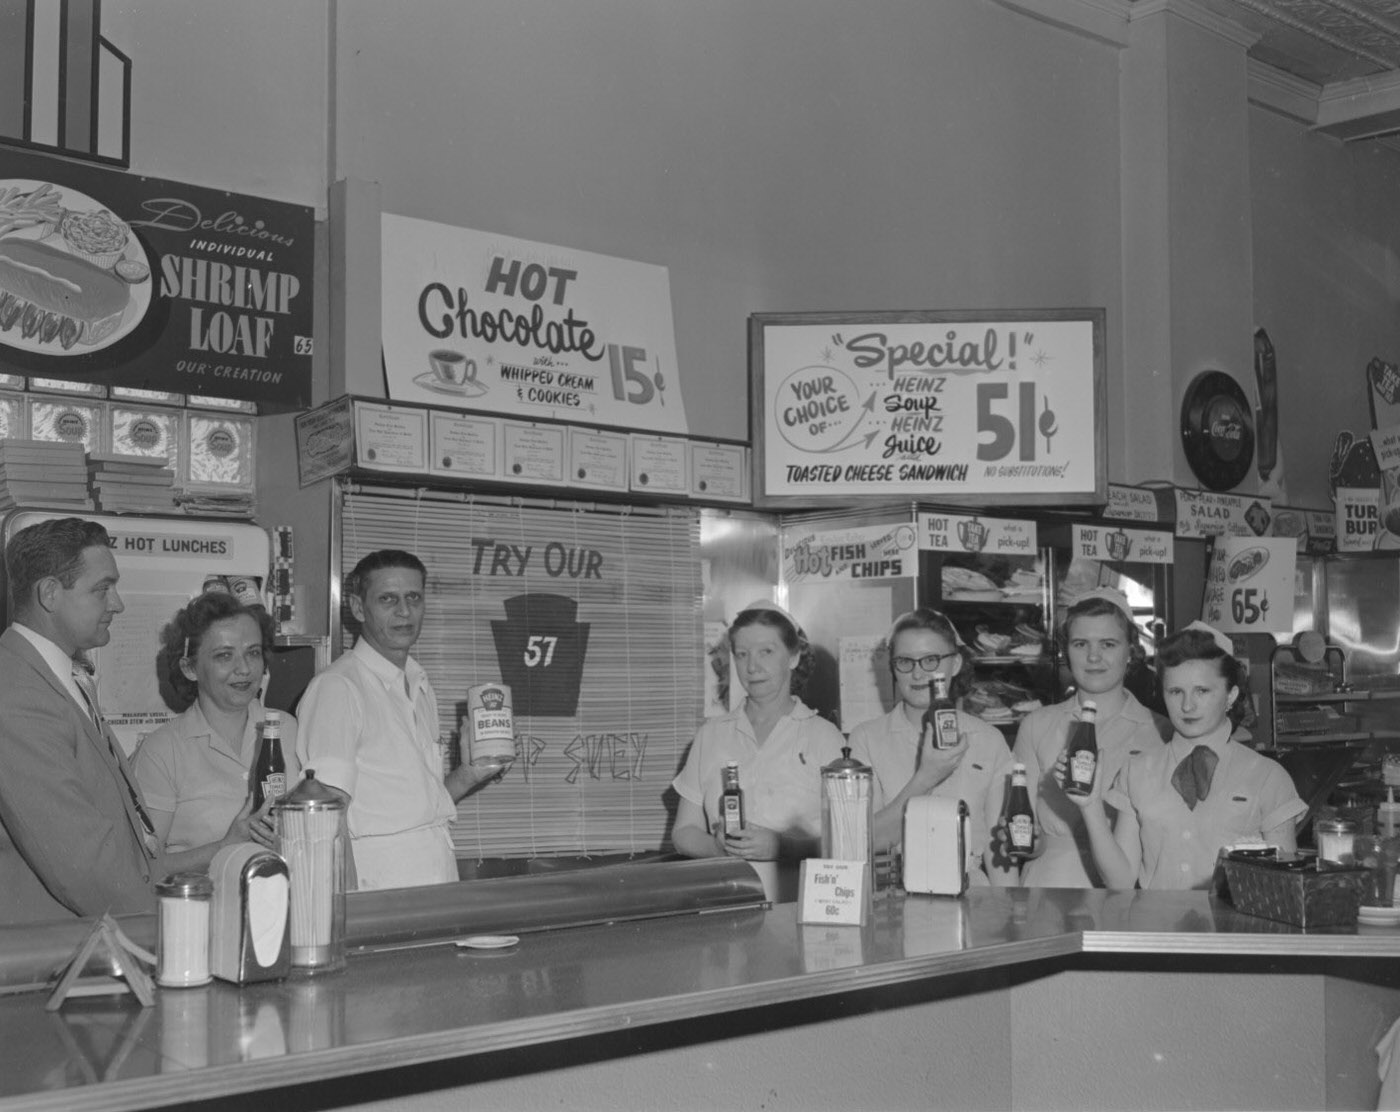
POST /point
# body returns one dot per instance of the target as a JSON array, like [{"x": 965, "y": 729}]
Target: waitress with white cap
[
  {"x": 779, "y": 744},
  {"x": 1177, "y": 805},
  {"x": 1101, "y": 642}
]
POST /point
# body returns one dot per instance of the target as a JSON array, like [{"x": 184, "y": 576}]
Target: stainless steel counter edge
[{"x": 655, "y": 971}]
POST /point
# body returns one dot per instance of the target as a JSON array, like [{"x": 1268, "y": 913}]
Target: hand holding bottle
[
  {"x": 752, "y": 843},
  {"x": 934, "y": 764},
  {"x": 1002, "y": 851},
  {"x": 1061, "y": 774},
  {"x": 241, "y": 828},
  {"x": 262, "y": 827}
]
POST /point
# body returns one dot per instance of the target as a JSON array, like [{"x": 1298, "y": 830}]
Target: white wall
[
  {"x": 774, "y": 154},
  {"x": 228, "y": 95},
  {"x": 1326, "y": 283}
]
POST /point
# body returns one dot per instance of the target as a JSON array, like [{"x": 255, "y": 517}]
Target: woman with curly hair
[
  {"x": 904, "y": 759},
  {"x": 195, "y": 771},
  {"x": 779, "y": 744}
]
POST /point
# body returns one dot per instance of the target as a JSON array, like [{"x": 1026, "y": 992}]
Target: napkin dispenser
[
  {"x": 936, "y": 834},
  {"x": 248, "y": 922}
]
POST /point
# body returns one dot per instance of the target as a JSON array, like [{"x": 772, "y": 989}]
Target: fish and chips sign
[
  {"x": 871, "y": 552},
  {"x": 984, "y": 408},
  {"x": 511, "y": 327}
]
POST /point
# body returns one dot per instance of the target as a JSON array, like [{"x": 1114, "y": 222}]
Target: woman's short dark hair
[
  {"x": 789, "y": 633},
  {"x": 934, "y": 621},
  {"x": 184, "y": 633},
  {"x": 1196, "y": 644}
]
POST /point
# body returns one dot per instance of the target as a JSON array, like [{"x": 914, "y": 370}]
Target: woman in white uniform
[
  {"x": 1100, "y": 641},
  {"x": 779, "y": 744},
  {"x": 1179, "y": 804},
  {"x": 899, "y": 746},
  {"x": 195, "y": 771}
]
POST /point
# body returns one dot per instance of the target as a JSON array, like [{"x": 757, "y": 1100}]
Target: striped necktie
[{"x": 87, "y": 686}]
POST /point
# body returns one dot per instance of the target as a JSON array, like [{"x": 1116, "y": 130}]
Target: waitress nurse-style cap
[
  {"x": 1110, "y": 595},
  {"x": 767, "y": 604},
  {"x": 1223, "y": 643}
]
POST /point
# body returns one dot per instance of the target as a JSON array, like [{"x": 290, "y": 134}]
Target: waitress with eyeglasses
[{"x": 903, "y": 758}]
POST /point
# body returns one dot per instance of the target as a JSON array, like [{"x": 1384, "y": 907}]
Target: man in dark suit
[{"x": 74, "y": 836}]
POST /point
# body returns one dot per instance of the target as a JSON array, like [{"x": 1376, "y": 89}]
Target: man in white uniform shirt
[{"x": 369, "y": 728}]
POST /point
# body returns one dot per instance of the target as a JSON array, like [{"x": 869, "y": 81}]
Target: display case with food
[{"x": 998, "y": 604}]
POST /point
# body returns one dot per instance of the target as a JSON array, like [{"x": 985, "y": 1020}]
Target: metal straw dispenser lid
[
  {"x": 310, "y": 795},
  {"x": 846, "y": 767}
]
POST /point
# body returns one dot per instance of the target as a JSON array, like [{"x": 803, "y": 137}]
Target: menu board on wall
[
  {"x": 132, "y": 281},
  {"x": 988, "y": 408},
  {"x": 494, "y": 324}
]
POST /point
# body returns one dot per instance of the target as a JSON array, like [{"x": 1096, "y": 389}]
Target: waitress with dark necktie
[{"x": 1178, "y": 805}]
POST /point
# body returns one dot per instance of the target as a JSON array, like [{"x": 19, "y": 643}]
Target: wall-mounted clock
[{"x": 1217, "y": 430}]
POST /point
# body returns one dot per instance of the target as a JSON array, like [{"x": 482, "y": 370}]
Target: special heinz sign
[
  {"x": 508, "y": 326},
  {"x": 131, "y": 281},
  {"x": 983, "y": 408}
]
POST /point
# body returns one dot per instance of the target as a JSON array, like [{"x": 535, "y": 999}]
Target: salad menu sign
[
  {"x": 991, "y": 408},
  {"x": 122, "y": 280},
  {"x": 507, "y": 326}
]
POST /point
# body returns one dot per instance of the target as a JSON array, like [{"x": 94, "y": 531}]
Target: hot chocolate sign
[
  {"x": 508, "y": 326},
  {"x": 985, "y": 407}
]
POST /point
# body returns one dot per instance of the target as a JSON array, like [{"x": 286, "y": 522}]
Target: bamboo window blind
[{"x": 593, "y": 616}]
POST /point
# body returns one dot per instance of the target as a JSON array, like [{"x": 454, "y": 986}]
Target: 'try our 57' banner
[
  {"x": 984, "y": 408},
  {"x": 512, "y": 327}
]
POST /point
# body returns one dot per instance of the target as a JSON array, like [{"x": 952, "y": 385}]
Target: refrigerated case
[
  {"x": 1333, "y": 734},
  {"x": 1000, "y": 604}
]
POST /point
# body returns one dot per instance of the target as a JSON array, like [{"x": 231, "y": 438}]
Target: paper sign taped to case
[{"x": 936, "y": 834}]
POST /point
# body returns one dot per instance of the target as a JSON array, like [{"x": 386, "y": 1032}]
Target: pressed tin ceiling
[{"x": 1336, "y": 63}]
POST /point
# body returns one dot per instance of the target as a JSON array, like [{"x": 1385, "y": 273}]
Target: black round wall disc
[{"x": 1217, "y": 430}]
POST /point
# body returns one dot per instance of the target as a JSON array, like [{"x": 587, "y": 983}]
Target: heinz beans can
[{"x": 489, "y": 724}]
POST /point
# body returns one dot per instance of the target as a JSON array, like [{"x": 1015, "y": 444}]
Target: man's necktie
[
  {"x": 1193, "y": 775},
  {"x": 87, "y": 685}
]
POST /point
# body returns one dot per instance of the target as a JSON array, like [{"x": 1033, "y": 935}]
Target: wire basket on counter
[{"x": 1296, "y": 891}]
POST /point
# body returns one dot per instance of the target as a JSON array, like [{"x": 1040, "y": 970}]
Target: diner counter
[{"x": 691, "y": 989}]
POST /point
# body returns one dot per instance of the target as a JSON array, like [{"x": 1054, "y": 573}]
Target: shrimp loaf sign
[{"x": 124, "y": 280}]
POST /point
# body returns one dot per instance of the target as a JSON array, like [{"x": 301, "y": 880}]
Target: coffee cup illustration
[{"x": 452, "y": 367}]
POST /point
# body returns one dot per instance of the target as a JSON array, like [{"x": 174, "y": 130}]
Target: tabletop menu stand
[{"x": 106, "y": 939}]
